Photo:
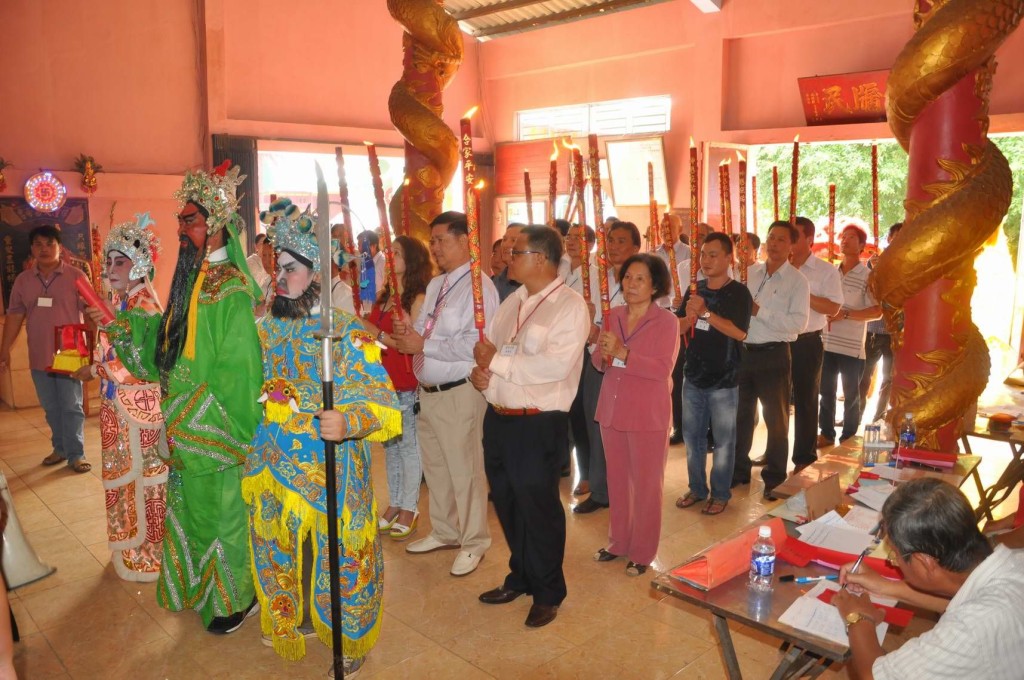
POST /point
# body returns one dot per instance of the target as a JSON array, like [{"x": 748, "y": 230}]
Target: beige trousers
[{"x": 450, "y": 432}]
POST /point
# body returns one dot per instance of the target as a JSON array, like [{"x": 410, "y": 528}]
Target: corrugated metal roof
[{"x": 489, "y": 19}]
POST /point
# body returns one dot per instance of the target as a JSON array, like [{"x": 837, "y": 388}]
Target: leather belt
[
  {"x": 444, "y": 387},
  {"x": 809, "y": 334},
  {"x": 502, "y": 411},
  {"x": 762, "y": 347}
]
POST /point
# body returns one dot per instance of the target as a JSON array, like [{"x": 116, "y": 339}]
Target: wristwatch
[
  {"x": 706, "y": 315},
  {"x": 854, "y": 617}
]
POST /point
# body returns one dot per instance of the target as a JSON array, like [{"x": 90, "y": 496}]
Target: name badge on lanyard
[
  {"x": 44, "y": 302},
  {"x": 509, "y": 349},
  {"x": 703, "y": 325}
]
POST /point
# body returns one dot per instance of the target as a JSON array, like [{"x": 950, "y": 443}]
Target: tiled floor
[{"x": 84, "y": 622}]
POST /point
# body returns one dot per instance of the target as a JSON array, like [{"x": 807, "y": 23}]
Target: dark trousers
[
  {"x": 833, "y": 367},
  {"x": 877, "y": 347},
  {"x": 678, "y": 378},
  {"x": 522, "y": 460},
  {"x": 578, "y": 428},
  {"x": 764, "y": 375},
  {"x": 597, "y": 472},
  {"x": 806, "y": 352}
]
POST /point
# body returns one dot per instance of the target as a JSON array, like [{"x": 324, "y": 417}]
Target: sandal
[
  {"x": 400, "y": 532},
  {"x": 688, "y": 501},
  {"x": 385, "y": 524},
  {"x": 634, "y": 569},
  {"x": 80, "y": 466},
  {"x": 714, "y": 507},
  {"x": 53, "y": 459},
  {"x": 603, "y": 555}
]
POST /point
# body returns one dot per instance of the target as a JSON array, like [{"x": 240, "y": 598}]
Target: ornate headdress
[
  {"x": 292, "y": 230},
  {"x": 215, "y": 191},
  {"x": 137, "y": 242}
]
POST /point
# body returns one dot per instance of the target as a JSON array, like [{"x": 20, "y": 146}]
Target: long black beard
[
  {"x": 300, "y": 307},
  {"x": 174, "y": 323}
]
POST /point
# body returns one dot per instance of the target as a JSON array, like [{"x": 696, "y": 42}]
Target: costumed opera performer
[
  {"x": 206, "y": 355},
  {"x": 134, "y": 441},
  {"x": 285, "y": 476}
]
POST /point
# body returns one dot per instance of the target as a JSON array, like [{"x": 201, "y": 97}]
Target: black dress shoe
[
  {"x": 588, "y": 506},
  {"x": 675, "y": 439},
  {"x": 769, "y": 494},
  {"x": 541, "y": 615},
  {"x": 222, "y": 625},
  {"x": 500, "y": 595},
  {"x": 759, "y": 462}
]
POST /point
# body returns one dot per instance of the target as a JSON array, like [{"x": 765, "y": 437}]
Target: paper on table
[
  {"x": 862, "y": 518},
  {"x": 809, "y": 614},
  {"x": 874, "y": 497},
  {"x": 840, "y": 538},
  {"x": 793, "y": 510}
]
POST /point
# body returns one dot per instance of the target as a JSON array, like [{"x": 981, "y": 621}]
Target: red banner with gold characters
[{"x": 844, "y": 98}]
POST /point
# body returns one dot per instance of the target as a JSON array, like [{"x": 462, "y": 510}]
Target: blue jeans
[
  {"x": 834, "y": 367},
  {"x": 405, "y": 469},
  {"x": 61, "y": 399},
  {"x": 717, "y": 407}
]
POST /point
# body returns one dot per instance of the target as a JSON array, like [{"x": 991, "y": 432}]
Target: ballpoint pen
[
  {"x": 807, "y": 579},
  {"x": 856, "y": 565}
]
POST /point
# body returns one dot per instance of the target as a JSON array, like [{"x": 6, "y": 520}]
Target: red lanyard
[{"x": 521, "y": 323}]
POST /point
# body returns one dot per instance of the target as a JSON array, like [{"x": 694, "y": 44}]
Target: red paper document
[
  {"x": 726, "y": 560},
  {"x": 894, "y": 616}
]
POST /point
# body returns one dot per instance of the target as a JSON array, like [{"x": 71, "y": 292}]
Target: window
[{"x": 640, "y": 115}]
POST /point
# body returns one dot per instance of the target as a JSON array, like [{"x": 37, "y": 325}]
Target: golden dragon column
[
  {"x": 432, "y": 47},
  {"x": 958, "y": 190}
]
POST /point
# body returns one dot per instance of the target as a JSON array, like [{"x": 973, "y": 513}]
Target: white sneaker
[
  {"x": 465, "y": 563},
  {"x": 428, "y": 544}
]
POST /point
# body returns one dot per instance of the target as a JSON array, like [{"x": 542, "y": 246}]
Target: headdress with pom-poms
[
  {"x": 292, "y": 230},
  {"x": 136, "y": 241},
  {"x": 216, "y": 192}
]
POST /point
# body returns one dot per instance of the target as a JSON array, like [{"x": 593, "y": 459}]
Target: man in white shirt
[
  {"x": 564, "y": 264},
  {"x": 670, "y": 227},
  {"x": 844, "y": 340},
  {"x": 528, "y": 370},
  {"x": 450, "y": 422},
  {"x": 503, "y": 282},
  {"x": 369, "y": 244},
  {"x": 341, "y": 292},
  {"x": 826, "y": 299},
  {"x": 579, "y": 237},
  {"x": 781, "y": 303},
  {"x": 622, "y": 242},
  {"x": 948, "y": 566}
]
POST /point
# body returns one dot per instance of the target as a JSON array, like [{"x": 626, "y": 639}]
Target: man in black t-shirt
[{"x": 714, "y": 323}]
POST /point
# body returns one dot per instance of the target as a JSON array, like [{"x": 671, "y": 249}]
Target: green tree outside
[{"x": 848, "y": 166}]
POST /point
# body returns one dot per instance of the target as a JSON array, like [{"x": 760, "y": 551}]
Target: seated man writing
[{"x": 948, "y": 566}]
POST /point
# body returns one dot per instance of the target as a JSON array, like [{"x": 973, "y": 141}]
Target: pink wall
[{"x": 732, "y": 75}]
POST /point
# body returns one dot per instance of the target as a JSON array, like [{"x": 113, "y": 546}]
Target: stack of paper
[
  {"x": 873, "y": 496},
  {"x": 811, "y": 615},
  {"x": 832, "y": 532}
]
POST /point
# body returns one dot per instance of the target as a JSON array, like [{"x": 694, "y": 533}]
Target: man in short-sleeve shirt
[
  {"x": 45, "y": 295},
  {"x": 844, "y": 341},
  {"x": 719, "y": 315}
]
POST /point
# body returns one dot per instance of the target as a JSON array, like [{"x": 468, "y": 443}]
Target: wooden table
[
  {"x": 806, "y": 655},
  {"x": 848, "y": 461},
  {"x": 998, "y": 492}
]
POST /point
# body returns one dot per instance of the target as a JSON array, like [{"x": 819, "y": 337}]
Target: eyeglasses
[
  {"x": 517, "y": 253},
  {"x": 890, "y": 559},
  {"x": 189, "y": 219}
]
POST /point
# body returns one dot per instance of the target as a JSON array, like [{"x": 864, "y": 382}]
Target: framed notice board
[{"x": 627, "y": 169}]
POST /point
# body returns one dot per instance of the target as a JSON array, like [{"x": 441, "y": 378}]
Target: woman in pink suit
[{"x": 637, "y": 349}]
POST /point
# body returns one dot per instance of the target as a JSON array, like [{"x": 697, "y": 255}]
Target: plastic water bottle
[
  {"x": 762, "y": 561},
  {"x": 908, "y": 432}
]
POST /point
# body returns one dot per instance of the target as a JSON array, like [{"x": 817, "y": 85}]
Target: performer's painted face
[
  {"x": 192, "y": 225},
  {"x": 118, "y": 269},
  {"x": 293, "y": 277}
]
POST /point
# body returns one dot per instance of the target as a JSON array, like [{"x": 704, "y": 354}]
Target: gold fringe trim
[
  {"x": 294, "y": 650},
  {"x": 309, "y": 518},
  {"x": 390, "y": 422},
  {"x": 193, "y": 312}
]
